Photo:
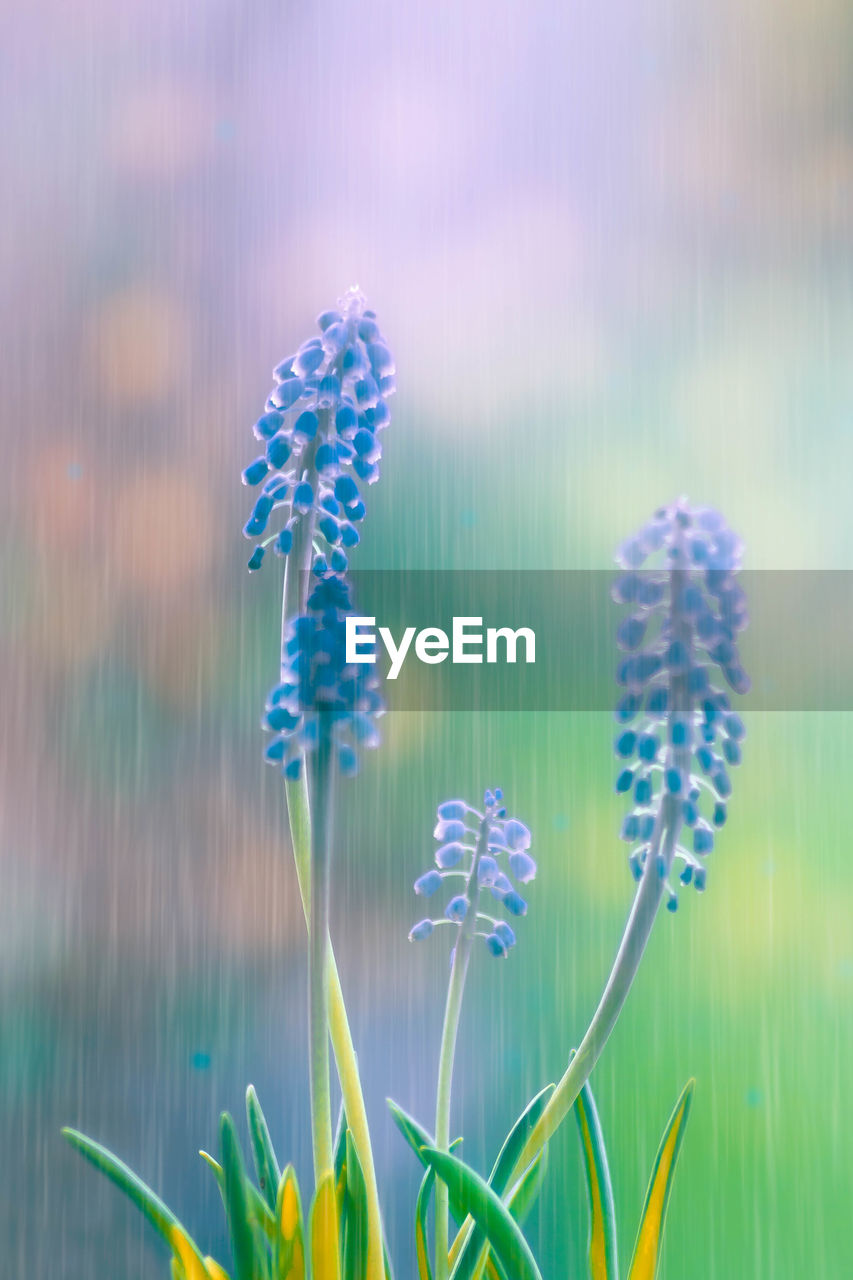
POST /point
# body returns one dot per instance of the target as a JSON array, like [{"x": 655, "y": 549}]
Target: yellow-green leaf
[
  {"x": 603, "y": 1263},
  {"x": 289, "y": 1254},
  {"x": 150, "y": 1204},
  {"x": 644, "y": 1264},
  {"x": 214, "y": 1270},
  {"x": 421, "y": 1210},
  {"x": 261, "y": 1214},
  {"x": 325, "y": 1259},
  {"x": 194, "y": 1268}
]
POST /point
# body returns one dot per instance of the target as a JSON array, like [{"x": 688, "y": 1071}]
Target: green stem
[
  {"x": 450, "y": 1031},
  {"x": 625, "y": 966},
  {"x": 643, "y": 912},
  {"x": 299, "y": 819},
  {"x": 318, "y": 958}
]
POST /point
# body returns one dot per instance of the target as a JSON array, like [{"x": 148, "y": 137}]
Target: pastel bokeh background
[{"x": 610, "y": 246}]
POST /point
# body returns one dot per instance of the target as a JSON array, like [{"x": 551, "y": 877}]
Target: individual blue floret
[
  {"x": 679, "y": 734},
  {"x": 320, "y": 429},
  {"x": 478, "y": 852}
]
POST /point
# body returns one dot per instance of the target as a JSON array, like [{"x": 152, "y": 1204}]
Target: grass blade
[
  {"x": 489, "y": 1212},
  {"x": 325, "y": 1259},
  {"x": 355, "y": 1235},
  {"x": 603, "y": 1264},
  {"x": 289, "y": 1252},
  {"x": 236, "y": 1201},
  {"x": 147, "y": 1201},
  {"x": 646, "y": 1258},
  {"x": 266, "y": 1164},
  {"x": 421, "y": 1211},
  {"x": 418, "y": 1139},
  {"x": 258, "y": 1207}
]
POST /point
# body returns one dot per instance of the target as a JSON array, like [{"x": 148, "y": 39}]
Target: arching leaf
[{"x": 489, "y": 1212}]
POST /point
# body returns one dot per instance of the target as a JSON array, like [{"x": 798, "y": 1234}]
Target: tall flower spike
[
  {"x": 679, "y": 734},
  {"x": 320, "y": 432},
  {"x": 321, "y": 697},
  {"x": 477, "y": 852}
]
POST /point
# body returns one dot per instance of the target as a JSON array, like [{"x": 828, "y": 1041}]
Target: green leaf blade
[
  {"x": 602, "y": 1251},
  {"x": 139, "y": 1193},
  {"x": 236, "y": 1201},
  {"x": 489, "y": 1212},
  {"x": 266, "y": 1164},
  {"x": 470, "y": 1263},
  {"x": 647, "y": 1250}
]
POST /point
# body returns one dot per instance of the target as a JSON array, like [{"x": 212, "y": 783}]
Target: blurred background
[{"x": 610, "y": 247}]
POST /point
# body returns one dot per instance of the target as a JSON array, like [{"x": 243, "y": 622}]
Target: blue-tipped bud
[
  {"x": 450, "y": 855},
  {"x": 457, "y": 908},
  {"x": 422, "y": 930},
  {"x": 505, "y": 933},
  {"x": 428, "y": 884},
  {"x": 453, "y": 829},
  {"x": 495, "y": 945},
  {"x": 522, "y": 866},
  {"x": 453, "y": 809},
  {"x": 703, "y": 838},
  {"x": 516, "y": 834},
  {"x": 255, "y": 472}
]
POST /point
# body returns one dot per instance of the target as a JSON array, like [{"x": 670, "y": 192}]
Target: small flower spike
[
  {"x": 320, "y": 433},
  {"x": 322, "y": 698},
  {"x": 678, "y": 734},
  {"x": 476, "y": 851}
]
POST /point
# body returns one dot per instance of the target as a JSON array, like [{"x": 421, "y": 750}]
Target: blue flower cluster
[
  {"x": 320, "y": 434},
  {"x": 679, "y": 735},
  {"x": 473, "y": 849},
  {"x": 322, "y": 699}
]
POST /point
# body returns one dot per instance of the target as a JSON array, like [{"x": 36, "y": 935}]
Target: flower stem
[
  {"x": 299, "y": 818},
  {"x": 625, "y": 966},
  {"x": 643, "y": 912},
  {"x": 453, "y": 1008},
  {"x": 318, "y": 958}
]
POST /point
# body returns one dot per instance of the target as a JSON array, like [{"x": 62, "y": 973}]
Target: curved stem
[
  {"x": 625, "y": 966},
  {"x": 299, "y": 819},
  {"x": 643, "y": 912},
  {"x": 453, "y": 1008}
]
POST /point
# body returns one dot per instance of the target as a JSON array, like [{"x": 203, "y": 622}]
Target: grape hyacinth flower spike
[
  {"x": 321, "y": 437},
  {"x": 322, "y": 701},
  {"x": 479, "y": 852},
  {"x": 320, "y": 432},
  {"x": 678, "y": 736}
]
